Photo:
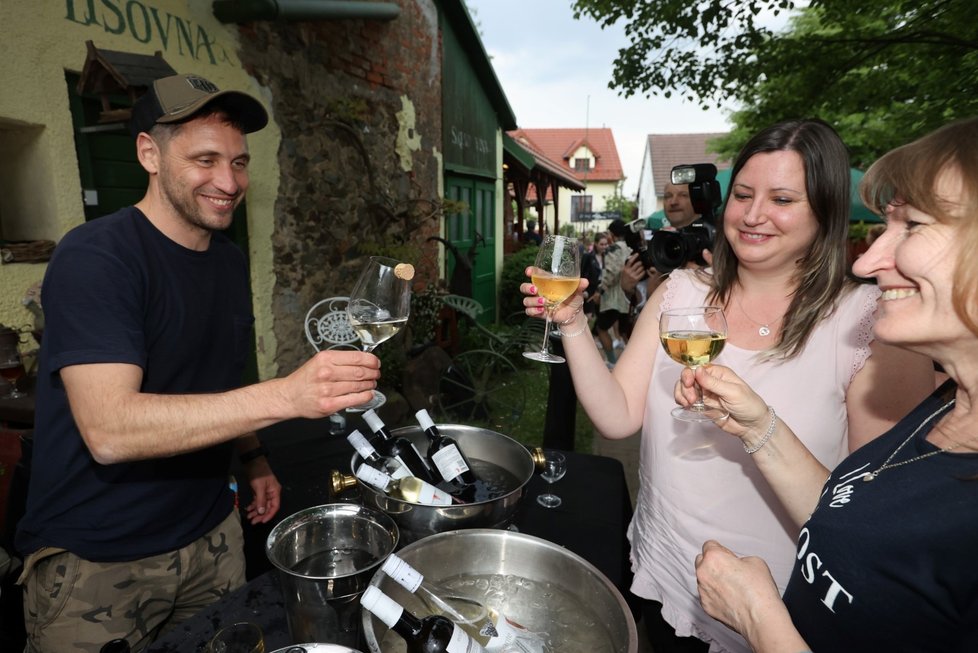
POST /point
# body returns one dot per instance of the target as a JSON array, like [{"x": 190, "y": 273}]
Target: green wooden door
[{"x": 473, "y": 234}]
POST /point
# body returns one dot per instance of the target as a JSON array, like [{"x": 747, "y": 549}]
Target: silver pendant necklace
[
  {"x": 886, "y": 465},
  {"x": 763, "y": 329}
]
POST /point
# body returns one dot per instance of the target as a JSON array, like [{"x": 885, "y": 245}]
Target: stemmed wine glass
[
  {"x": 379, "y": 307},
  {"x": 11, "y": 368},
  {"x": 555, "y": 466},
  {"x": 693, "y": 337},
  {"x": 242, "y": 637},
  {"x": 556, "y": 274}
]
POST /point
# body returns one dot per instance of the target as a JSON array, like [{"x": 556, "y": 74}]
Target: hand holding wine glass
[
  {"x": 694, "y": 337},
  {"x": 555, "y": 466},
  {"x": 556, "y": 275},
  {"x": 379, "y": 307}
]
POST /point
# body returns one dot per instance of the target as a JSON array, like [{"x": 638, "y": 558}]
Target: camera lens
[{"x": 668, "y": 250}]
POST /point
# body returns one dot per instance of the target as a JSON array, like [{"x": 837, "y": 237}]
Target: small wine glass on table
[
  {"x": 379, "y": 307},
  {"x": 242, "y": 637},
  {"x": 11, "y": 368},
  {"x": 556, "y": 274},
  {"x": 694, "y": 337},
  {"x": 554, "y": 468}
]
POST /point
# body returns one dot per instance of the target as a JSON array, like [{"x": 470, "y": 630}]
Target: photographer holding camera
[
  {"x": 799, "y": 332},
  {"x": 685, "y": 242}
]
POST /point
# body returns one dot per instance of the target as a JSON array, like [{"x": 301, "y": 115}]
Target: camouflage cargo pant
[{"x": 71, "y": 604}]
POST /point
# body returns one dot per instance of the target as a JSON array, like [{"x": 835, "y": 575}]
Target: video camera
[{"x": 673, "y": 249}]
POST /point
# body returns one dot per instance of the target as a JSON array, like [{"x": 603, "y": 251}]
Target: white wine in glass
[
  {"x": 379, "y": 307},
  {"x": 556, "y": 274},
  {"x": 694, "y": 337}
]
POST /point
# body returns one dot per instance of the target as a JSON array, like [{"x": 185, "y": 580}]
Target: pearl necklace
[
  {"x": 886, "y": 465},
  {"x": 764, "y": 329}
]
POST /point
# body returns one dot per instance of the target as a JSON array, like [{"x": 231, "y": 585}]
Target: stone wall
[{"x": 358, "y": 103}]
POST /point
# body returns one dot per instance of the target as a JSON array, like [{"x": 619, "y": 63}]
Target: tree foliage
[{"x": 881, "y": 71}]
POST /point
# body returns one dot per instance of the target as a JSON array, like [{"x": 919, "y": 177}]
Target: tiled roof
[
  {"x": 668, "y": 150},
  {"x": 559, "y": 144}
]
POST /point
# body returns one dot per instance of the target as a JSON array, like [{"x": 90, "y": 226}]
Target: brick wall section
[{"x": 337, "y": 87}]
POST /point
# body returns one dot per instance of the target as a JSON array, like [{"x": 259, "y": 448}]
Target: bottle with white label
[
  {"x": 409, "y": 488},
  {"x": 392, "y": 466},
  {"x": 492, "y": 630},
  {"x": 447, "y": 457},
  {"x": 433, "y": 634},
  {"x": 398, "y": 447}
]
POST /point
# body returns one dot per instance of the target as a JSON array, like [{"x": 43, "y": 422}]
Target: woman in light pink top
[{"x": 798, "y": 331}]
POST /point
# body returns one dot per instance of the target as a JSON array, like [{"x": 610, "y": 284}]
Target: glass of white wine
[
  {"x": 556, "y": 274},
  {"x": 694, "y": 337},
  {"x": 379, "y": 307}
]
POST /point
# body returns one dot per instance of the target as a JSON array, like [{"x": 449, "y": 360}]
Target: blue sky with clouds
[{"x": 555, "y": 72}]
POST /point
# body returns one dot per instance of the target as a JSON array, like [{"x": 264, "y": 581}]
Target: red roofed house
[
  {"x": 662, "y": 152},
  {"x": 591, "y": 157}
]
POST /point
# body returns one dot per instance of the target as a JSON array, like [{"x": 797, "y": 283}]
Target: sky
[{"x": 555, "y": 71}]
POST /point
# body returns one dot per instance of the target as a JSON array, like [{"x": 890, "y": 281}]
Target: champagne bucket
[
  {"x": 416, "y": 521},
  {"x": 556, "y": 591},
  {"x": 325, "y": 556}
]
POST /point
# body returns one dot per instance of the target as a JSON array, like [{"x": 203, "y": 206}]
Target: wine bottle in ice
[
  {"x": 409, "y": 488},
  {"x": 492, "y": 630},
  {"x": 391, "y": 466},
  {"x": 447, "y": 457},
  {"x": 398, "y": 447},
  {"x": 432, "y": 634}
]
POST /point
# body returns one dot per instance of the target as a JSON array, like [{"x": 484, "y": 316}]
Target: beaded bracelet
[{"x": 767, "y": 436}]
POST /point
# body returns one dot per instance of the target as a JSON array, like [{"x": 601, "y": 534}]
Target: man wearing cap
[{"x": 130, "y": 524}]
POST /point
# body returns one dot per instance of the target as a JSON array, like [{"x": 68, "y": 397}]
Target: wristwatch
[{"x": 251, "y": 454}]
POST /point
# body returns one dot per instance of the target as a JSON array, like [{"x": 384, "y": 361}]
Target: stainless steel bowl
[
  {"x": 416, "y": 521},
  {"x": 325, "y": 556},
  {"x": 538, "y": 583}
]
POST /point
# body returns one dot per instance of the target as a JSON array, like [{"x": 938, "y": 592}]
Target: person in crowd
[
  {"x": 130, "y": 525},
  {"x": 613, "y": 305},
  {"x": 592, "y": 265},
  {"x": 885, "y": 558},
  {"x": 799, "y": 330},
  {"x": 677, "y": 205},
  {"x": 639, "y": 283},
  {"x": 531, "y": 235}
]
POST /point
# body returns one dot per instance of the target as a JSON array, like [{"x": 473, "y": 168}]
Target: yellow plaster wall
[{"x": 40, "y": 40}]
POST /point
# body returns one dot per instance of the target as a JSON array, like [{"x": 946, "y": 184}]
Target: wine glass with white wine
[
  {"x": 379, "y": 307},
  {"x": 556, "y": 274},
  {"x": 694, "y": 337}
]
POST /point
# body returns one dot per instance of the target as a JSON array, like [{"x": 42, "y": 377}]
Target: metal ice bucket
[
  {"x": 325, "y": 557},
  {"x": 599, "y": 621},
  {"x": 416, "y": 521}
]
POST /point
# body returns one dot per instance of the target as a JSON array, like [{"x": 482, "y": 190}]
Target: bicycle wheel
[{"x": 482, "y": 388}]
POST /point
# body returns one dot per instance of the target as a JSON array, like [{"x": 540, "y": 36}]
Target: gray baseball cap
[{"x": 178, "y": 97}]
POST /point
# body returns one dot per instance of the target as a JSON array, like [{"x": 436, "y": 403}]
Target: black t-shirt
[
  {"x": 890, "y": 565},
  {"x": 119, "y": 291}
]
